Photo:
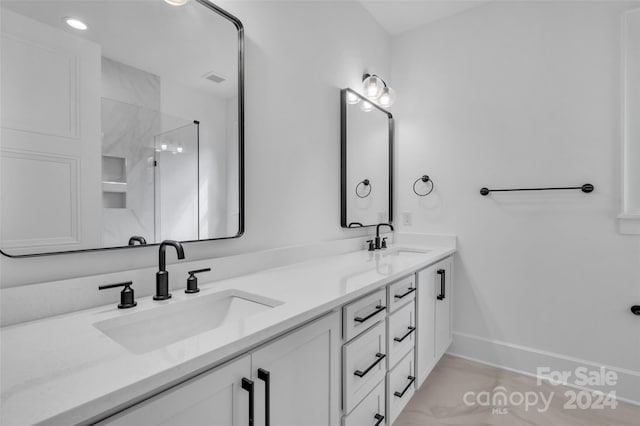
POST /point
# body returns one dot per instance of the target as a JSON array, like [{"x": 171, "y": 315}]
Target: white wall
[
  {"x": 298, "y": 57},
  {"x": 513, "y": 95}
]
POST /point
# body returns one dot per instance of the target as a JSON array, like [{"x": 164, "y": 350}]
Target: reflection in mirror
[
  {"x": 129, "y": 127},
  {"x": 367, "y": 149}
]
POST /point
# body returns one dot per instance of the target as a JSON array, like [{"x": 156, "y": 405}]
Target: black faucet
[
  {"x": 137, "y": 238},
  {"x": 377, "y": 244},
  {"x": 162, "y": 276}
]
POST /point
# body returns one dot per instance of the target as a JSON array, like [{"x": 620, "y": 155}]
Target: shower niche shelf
[{"x": 114, "y": 182}]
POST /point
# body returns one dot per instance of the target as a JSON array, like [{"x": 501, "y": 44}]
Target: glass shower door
[{"x": 177, "y": 184}]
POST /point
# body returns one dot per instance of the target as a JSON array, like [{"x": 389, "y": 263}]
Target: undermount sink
[
  {"x": 405, "y": 252},
  {"x": 155, "y": 328}
]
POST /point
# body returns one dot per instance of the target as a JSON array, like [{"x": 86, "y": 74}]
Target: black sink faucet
[
  {"x": 377, "y": 244},
  {"x": 162, "y": 276}
]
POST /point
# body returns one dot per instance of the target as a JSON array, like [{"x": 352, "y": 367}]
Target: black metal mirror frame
[
  {"x": 343, "y": 157},
  {"x": 240, "y": 28}
]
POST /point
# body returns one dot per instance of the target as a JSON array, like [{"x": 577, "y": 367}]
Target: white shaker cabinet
[
  {"x": 214, "y": 398},
  {"x": 302, "y": 372},
  {"x": 434, "y": 313},
  {"x": 294, "y": 380}
]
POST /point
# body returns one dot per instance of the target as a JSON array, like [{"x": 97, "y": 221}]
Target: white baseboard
[{"x": 525, "y": 360}]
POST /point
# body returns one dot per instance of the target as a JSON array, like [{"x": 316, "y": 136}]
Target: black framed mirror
[
  {"x": 366, "y": 161},
  {"x": 122, "y": 124}
]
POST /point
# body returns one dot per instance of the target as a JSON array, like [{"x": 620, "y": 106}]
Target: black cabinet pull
[
  {"x": 379, "y": 308},
  {"x": 409, "y": 291},
  {"x": 248, "y": 386},
  {"x": 379, "y": 418},
  {"x": 401, "y": 394},
  {"x": 265, "y": 376},
  {"x": 379, "y": 357},
  {"x": 400, "y": 339},
  {"x": 635, "y": 309},
  {"x": 443, "y": 278}
]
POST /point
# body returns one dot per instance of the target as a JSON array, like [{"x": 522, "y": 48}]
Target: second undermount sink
[{"x": 152, "y": 329}]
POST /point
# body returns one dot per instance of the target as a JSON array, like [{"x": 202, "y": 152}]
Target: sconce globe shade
[
  {"x": 352, "y": 98},
  {"x": 372, "y": 87},
  {"x": 366, "y": 106},
  {"x": 387, "y": 98}
]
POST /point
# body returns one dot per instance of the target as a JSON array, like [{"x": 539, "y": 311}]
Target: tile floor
[{"x": 440, "y": 400}]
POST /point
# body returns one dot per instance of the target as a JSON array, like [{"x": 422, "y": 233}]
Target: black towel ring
[
  {"x": 366, "y": 183},
  {"x": 425, "y": 179}
]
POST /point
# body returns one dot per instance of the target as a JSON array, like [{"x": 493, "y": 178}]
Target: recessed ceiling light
[
  {"x": 76, "y": 23},
  {"x": 176, "y": 2}
]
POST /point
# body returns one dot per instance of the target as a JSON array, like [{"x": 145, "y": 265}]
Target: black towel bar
[{"x": 587, "y": 188}]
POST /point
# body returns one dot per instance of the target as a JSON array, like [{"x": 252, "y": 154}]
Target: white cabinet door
[
  {"x": 443, "y": 321},
  {"x": 425, "y": 323},
  {"x": 215, "y": 398},
  {"x": 50, "y": 103},
  {"x": 302, "y": 374},
  {"x": 434, "y": 311}
]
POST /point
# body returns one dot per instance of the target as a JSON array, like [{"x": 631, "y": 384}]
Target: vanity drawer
[
  {"x": 362, "y": 314},
  {"x": 401, "y": 333},
  {"x": 400, "y": 386},
  {"x": 364, "y": 365},
  {"x": 402, "y": 292},
  {"x": 370, "y": 410}
]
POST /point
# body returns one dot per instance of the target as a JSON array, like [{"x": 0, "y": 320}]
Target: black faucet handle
[
  {"x": 371, "y": 246},
  {"x": 127, "y": 298},
  {"x": 192, "y": 281},
  {"x": 197, "y": 271},
  {"x": 384, "y": 243}
]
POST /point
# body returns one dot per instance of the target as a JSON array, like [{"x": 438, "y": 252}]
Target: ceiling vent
[{"x": 216, "y": 78}]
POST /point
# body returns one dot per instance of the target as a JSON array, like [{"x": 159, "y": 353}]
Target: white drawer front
[
  {"x": 371, "y": 411},
  {"x": 402, "y": 292},
  {"x": 400, "y": 386},
  {"x": 362, "y": 314},
  {"x": 401, "y": 333},
  {"x": 364, "y": 365}
]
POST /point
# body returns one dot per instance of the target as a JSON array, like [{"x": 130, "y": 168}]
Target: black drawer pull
[
  {"x": 443, "y": 278},
  {"x": 265, "y": 376},
  {"x": 401, "y": 394},
  {"x": 379, "y": 308},
  {"x": 400, "y": 339},
  {"x": 409, "y": 291},
  {"x": 379, "y": 357},
  {"x": 248, "y": 386},
  {"x": 379, "y": 418}
]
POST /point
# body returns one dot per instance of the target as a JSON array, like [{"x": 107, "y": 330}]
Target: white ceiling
[
  {"x": 177, "y": 43},
  {"x": 398, "y": 16}
]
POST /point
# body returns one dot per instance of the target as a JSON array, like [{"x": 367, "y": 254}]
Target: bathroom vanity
[{"x": 342, "y": 339}]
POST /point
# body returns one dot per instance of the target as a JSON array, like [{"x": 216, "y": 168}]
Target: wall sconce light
[{"x": 376, "y": 89}]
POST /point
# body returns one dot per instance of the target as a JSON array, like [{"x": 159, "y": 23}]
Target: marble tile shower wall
[{"x": 130, "y": 120}]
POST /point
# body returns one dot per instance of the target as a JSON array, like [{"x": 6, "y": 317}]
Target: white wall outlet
[{"x": 406, "y": 218}]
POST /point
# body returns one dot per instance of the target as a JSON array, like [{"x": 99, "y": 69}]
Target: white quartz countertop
[{"x": 64, "y": 370}]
